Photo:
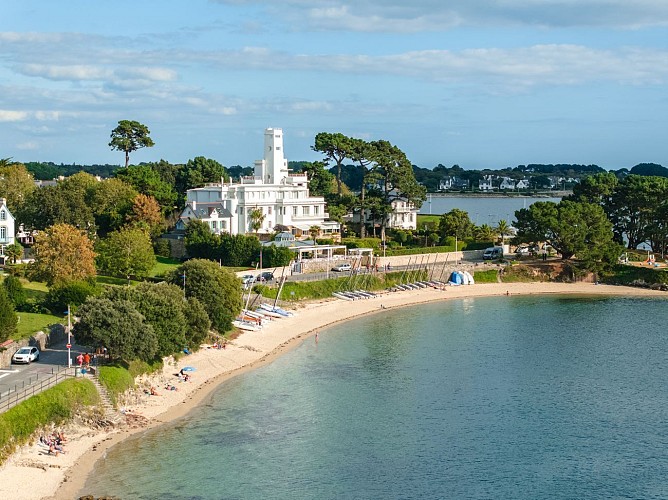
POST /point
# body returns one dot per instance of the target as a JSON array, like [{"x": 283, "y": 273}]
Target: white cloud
[
  {"x": 437, "y": 15},
  {"x": 12, "y": 116},
  {"x": 28, "y": 146}
]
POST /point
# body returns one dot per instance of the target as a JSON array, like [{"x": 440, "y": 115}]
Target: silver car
[{"x": 26, "y": 355}]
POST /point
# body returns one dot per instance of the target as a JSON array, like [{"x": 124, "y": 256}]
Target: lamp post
[{"x": 69, "y": 337}]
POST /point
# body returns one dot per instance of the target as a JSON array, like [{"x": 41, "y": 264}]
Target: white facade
[
  {"x": 6, "y": 226},
  {"x": 282, "y": 197}
]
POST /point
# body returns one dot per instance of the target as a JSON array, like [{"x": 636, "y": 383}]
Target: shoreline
[{"x": 64, "y": 477}]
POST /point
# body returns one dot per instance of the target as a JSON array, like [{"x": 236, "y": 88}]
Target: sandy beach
[{"x": 31, "y": 474}]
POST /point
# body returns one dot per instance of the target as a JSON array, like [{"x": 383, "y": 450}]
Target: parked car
[
  {"x": 522, "y": 250},
  {"x": 493, "y": 253},
  {"x": 265, "y": 276},
  {"x": 342, "y": 268},
  {"x": 247, "y": 278},
  {"x": 26, "y": 355}
]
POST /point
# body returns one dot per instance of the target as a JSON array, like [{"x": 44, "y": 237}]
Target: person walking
[{"x": 80, "y": 360}]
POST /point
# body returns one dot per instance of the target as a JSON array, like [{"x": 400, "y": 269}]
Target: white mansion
[{"x": 282, "y": 197}]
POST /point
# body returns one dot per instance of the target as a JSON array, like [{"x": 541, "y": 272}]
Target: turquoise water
[{"x": 511, "y": 397}]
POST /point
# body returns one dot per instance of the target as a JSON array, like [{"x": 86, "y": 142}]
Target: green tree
[
  {"x": 197, "y": 172},
  {"x": 15, "y": 291},
  {"x": 72, "y": 293},
  {"x": 112, "y": 201},
  {"x": 321, "y": 182},
  {"x": 163, "y": 308},
  {"x": 8, "y": 318},
  {"x": 597, "y": 188},
  {"x": 14, "y": 251},
  {"x": 485, "y": 233},
  {"x": 198, "y": 322},
  {"x": 16, "y": 183},
  {"x": 216, "y": 288},
  {"x": 200, "y": 242},
  {"x": 148, "y": 181},
  {"x": 314, "y": 232},
  {"x": 129, "y": 136},
  {"x": 633, "y": 207},
  {"x": 503, "y": 229},
  {"x": 238, "y": 249},
  {"x": 336, "y": 148},
  {"x": 118, "y": 326},
  {"x": 572, "y": 229},
  {"x": 126, "y": 252},
  {"x": 64, "y": 203},
  {"x": 256, "y": 219},
  {"x": 63, "y": 253},
  {"x": 275, "y": 256},
  {"x": 455, "y": 223}
]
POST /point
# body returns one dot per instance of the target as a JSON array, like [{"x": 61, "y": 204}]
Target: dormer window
[{"x": 3, "y": 215}]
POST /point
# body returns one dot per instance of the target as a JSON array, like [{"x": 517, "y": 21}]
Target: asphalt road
[{"x": 17, "y": 377}]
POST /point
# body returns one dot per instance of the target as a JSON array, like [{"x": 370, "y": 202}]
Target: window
[
  {"x": 269, "y": 211},
  {"x": 316, "y": 210},
  {"x": 3, "y": 233},
  {"x": 306, "y": 210},
  {"x": 294, "y": 210},
  {"x": 214, "y": 225},
  {"x": 3, "y": 215}
]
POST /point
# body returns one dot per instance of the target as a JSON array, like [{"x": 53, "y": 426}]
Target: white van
[{"x": 493, "y": 253}]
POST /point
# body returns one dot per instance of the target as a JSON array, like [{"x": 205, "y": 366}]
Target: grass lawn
[
  {"x": 164, "y": 265},
  {"x": 424, "y": 219},
  {"x": 30, "y": 323}
]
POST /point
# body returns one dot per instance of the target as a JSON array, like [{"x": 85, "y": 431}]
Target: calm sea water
[
  {"x": 481, "y": 209},
  {"x": 512, "y": 397}
]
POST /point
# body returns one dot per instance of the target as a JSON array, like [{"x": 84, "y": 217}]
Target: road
[{"x": 17, "y": 377}]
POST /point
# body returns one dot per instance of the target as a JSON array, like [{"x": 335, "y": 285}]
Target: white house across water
[{"x": 283, "y": 198}]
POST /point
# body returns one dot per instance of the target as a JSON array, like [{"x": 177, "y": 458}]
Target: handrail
[{"x": 16, "y": 396}]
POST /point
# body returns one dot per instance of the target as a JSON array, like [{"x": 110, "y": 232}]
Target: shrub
[
  {"x": 162, "y": 247},
  {"x": 73, "y": 294},
  {"x": 15, "y": 291}
]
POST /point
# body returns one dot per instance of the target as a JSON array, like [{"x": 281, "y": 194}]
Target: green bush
[
  {"x": 73, "y": 294},
  {"x": 162, "y": 247},
  {"x": 53, "y": 406},
  {"x": 362, "y": 242},
  {"x": 116, "y": 379},
  {"x": 15, "y": 291},
  {"x": 489, "y": 276}
]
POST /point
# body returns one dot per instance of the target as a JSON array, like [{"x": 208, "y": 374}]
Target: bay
[
  {"x": 504, "y": 397},
  {"x": 481, "y": 209}
]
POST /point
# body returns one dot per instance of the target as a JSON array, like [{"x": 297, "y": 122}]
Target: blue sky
[{"x": 479, "y": 83}]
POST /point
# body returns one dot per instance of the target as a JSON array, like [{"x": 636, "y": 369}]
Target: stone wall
[{"x": 39, "y": 339}]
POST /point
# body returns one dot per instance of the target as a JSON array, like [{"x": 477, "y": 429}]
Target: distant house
[
  {"x": 403, "y": 215},
  {"x": 486, "y": 183},
  {"x": 215, "y": 215},
  {"x": 522, "y": 184},
  {"x": 6, "y": 228},
  {"x": 453, "y": 183},
  {"x": 507, "y": 183}
]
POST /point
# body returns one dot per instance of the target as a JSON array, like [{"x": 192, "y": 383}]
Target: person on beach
[{"x": 316, "y": 337}]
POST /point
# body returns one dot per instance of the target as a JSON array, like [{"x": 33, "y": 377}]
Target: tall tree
[
  {"x": 126, "y": 252},
  {"x": 111, "y": 201},
  {"x": 320, "y": 180},
  {"x": 216, "y": 288},
  {"x": 503, "y": 229},
  {"x": 63, "y": 253},
  {"x": 256, "y": 218},
  {"x": 336, "y": 148},
  {"x": 571, "y": 228},
  {"x": 129, "y": 136}
]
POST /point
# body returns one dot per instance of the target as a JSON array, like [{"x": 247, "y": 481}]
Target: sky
[{"x": 477, "y": 83}]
